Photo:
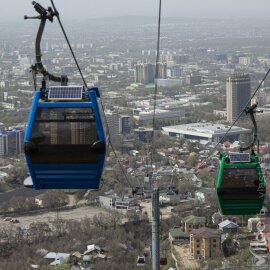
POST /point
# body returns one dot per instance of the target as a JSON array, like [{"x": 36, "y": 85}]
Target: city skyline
[{"x": 104, "y": 8}]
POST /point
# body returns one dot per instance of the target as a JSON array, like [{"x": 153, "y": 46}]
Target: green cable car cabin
[{"x": 240, "y": 185}]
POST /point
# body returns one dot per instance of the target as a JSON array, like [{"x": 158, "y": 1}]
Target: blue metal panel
[
  {"x": 101, "y": 160},
  {"x": 66, "y": 176},
  {"x": 73, "y": 166},
  {"x": 67, "y": 185},
  {"x": 70, "y": 172},
  {"x": 31, "y": 117},
  {"x": 31, "y": 170},
  {"x": 100, "y": 131},
  {"x": 65, "y": 105}
]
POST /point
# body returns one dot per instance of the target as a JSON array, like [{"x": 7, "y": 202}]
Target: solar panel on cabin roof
[
  {"x": 239, "y": 157},
  {"x": 65, "y": 93}
]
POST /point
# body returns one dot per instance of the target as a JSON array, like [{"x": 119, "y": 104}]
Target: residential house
[
  {"x": 107, "y": 201},
  {"x": 176, "y": 236},
  {"x": 192, "y": 222},
  {"x": 217, "y": 218},
  {"x": 252, "y": 223},
  {"x": 56, "y": 258},
  {"x": 185, "y": 205},
  {"x": 227, "y": 226},
  {"x": 120, "y": 204},
  {"x": 203, "y": 166},
  {"x": 205, "y": 243},
  {"x": 92, "y": 249},
  {"x": 204, "y": 194},
  {"x": 95, "y": 251}
]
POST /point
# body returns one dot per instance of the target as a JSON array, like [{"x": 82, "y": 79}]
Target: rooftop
[
  {"x": 228, "y": 224},
  {"x": 177, "y": 232},
  {"x": 205, "y": 129},
  {"x": 205, "y": 233},
  {"x": 193, "y": 219}
]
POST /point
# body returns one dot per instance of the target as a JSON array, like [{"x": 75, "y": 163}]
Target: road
[
  {"x": 20, "y": 192},
  {"x": 183, "y": 251},
  {"x": 147, "y": 207},
  {"x": 76, "y": 214}
]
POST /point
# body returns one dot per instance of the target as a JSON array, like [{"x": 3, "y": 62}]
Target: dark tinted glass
[
  {"x": 64, "y": 126},
  {"x": 64, "y": 135},
  {"x": 246, "y": 177}
]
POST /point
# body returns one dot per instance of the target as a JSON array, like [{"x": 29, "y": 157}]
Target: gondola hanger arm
[
  {"x": 251, "y": 110},
  {"x": 44, "y": 15}
]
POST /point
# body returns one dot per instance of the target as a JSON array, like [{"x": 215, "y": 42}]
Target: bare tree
[{"x": 54, "y": 199}]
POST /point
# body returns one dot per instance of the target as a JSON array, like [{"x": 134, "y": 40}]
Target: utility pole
[
  {"x": 155, "y": 191},
  {"x": 155, "y": 229}
]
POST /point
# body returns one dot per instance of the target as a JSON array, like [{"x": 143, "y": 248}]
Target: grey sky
[{"x": 13, "y": 10}]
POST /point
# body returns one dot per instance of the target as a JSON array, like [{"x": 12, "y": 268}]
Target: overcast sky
[{"x": 12, "y": 10}]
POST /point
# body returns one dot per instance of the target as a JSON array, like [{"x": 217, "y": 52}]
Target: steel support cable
[
  {"x": 155, "y": 192},
  {"x": 155, "y": 92},
  {"x": 240, "y": 114},
  {"x": 67, "y": 40}
]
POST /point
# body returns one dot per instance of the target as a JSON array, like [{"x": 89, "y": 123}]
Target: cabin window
[
  {"x": 64, "y": 135},
  {"x": 244, "y": 177},
  {"x": 64, "y": 126}
]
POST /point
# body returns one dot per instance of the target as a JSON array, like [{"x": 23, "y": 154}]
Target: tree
[
  {"x": 229, "y": 246},
  {"x": 39, "y": 230},
  {"x": 21, "y": 204},
  {"x": 54, "y": 199},
  {"x": 192, "y": 161}
]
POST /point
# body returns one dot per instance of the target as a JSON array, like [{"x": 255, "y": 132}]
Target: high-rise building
[
  {"x": 11, "y": 142},
  {"x": 112, "y": 118},
  {"x": 238, "y": 94},
  {"x": 124, "y": 124},
  {"x": 162, "y": 71},
  {"x": 175, "y": 71},
  {"x": 181, "y": 59},
  {"x": 3, "y": 144},
  {"x": 193, "y": 79},
  {"x": 145, "y": 73}
]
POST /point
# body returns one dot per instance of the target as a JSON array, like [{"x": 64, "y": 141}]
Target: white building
[
  {"x": 238, "y": 93},
  {"x": 169, "y": 82},
  {"x": 119, "y": 204},
  {"x": 112, "y": 118},
  {"x": 143, "y": 115},
  {"x": 205, "y": 132}
]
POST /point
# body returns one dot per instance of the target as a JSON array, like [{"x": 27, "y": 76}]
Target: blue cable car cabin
[{"x": 65, "y": 143}]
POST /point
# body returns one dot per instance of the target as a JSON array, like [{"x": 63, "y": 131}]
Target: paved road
[{"x": 76, "y": 214}]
